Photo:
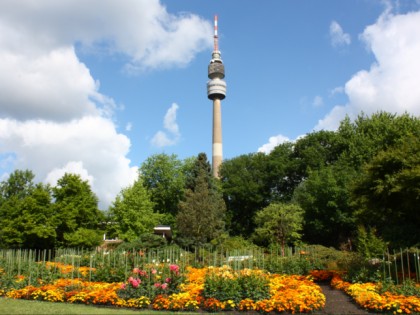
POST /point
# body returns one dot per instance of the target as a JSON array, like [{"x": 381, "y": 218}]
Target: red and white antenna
[{"x": 216, "y": 37}]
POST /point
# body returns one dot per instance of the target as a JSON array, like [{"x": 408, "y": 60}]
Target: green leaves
[
  {"x": 279, "y": 223},
  {"x": 133, "y": 211},
  {"x": 201, "y": 215}
]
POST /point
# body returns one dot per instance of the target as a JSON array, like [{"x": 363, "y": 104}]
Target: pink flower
[
  {"x": 130, "y": 279},
  {"x": 164, "y": 286},
  {"x": 122, "y": 286},
  {"x": 142, "y": 273},
  {"x": 136, "y": 270},
  {"x": 157, "y": 285},
  {"x": 174, "y": 268},
  {"x": 167, "y": 280},
  {"x": 154, "y": 271},
  {"x": 135, "y": 283}
]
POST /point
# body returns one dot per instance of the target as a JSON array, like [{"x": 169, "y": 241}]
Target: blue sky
[{"x": 96, "y": 87}]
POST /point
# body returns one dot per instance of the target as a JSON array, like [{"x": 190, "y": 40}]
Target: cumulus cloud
[
  {"x": 392, "y": 82},
  {"x": 338, "y": 36},
  {"x": 90, "y": 147},
  {"x": 143, "y": 30},
  {"x": 72, "y": 168},
  {"x": 272, "y": 143},
  {"x": 52, "y": 86},
  {"x": 172, "y": 135},
  {"x": 53, "y": 116}
]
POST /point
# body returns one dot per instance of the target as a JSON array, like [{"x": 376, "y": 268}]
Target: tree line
[{"x": 357, "y": 185}]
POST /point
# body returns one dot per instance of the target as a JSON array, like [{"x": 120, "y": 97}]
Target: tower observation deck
[{"x": 216, "y": 91}]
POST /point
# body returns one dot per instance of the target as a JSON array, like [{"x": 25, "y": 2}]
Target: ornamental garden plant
[
  {"x": 163, "y": 287},
  {"x": 176, "y": 285}
]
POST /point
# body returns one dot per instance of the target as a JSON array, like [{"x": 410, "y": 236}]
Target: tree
[
  {"x": 316, "y": 150},
  {"x": 362, "y": 139},
  {"x": 325, "y": 198},
  {"x": 245, "y": 190},
  {"x": 279, "y": 223},
  {"x": 133, "y": 212},
  {"x": 26, "y": 215},
  {"x": 387, "y": 193},
  {"x": 282, "y": 172},
  {"x": 201, "y": 167},
  {"x": 76, "y": 207},
  {"x": 163, "y": 176},
  {"x": 201, "y": 215},
  {"x": 19, "y": 185}
]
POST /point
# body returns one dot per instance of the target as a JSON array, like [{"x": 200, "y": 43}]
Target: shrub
[
  {"x": 407, "y": 288},
  {"x": 225, "y": 285},
  {"x": 144, "y": 241}
]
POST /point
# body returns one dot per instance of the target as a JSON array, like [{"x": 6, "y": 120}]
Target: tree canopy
[
  {"x": 164, "y": 178},
  {"x": 279, "y": 223},
  {"x": 133, "y": 212}
]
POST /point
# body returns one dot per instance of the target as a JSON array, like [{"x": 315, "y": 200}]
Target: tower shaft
[{"x": 217, "y": 155}]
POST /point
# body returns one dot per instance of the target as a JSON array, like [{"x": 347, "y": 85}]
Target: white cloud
[
  {"x": 172, "y": 136},
  {"x": 272, "y": 143},
  {"x": 318, "y": 101},
  {"x": 53, "y": 117},
  {"x": 90, "y": 146},
  {"x": 336, "y": 90},
  {"x": 52, "y": 86},
  {"x": 392, "y": 82},
  {"x": 141, "y": 29},
  {"x": 169, "y": 122},
  {"x": 72, "y": 168},
  {"x": 337, "y": 35}
]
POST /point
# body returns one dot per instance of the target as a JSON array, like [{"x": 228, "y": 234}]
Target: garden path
[{"x": 338, "y": 302}]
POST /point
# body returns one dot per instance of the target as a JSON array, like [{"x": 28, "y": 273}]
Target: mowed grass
[{"x": 12, "y": 306}]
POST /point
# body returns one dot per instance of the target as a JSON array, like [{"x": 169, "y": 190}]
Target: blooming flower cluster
[
  {"x": 368, "y": 296},
  {"x": 286, "y": 293},
  {"x": 150, "y": 281}
]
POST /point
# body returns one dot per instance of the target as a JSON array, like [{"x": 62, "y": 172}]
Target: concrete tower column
[{"x": 217, "y": 137}]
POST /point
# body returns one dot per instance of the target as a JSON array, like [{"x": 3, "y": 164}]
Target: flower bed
[
  {"x": 164, "y": 287},
  {"x": 369, "y": 296}
]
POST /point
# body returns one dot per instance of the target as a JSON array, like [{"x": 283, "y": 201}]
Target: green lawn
[{"x": 12, "y": 306}]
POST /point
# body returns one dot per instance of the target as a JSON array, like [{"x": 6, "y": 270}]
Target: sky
[{"x": 96, "y": 87}]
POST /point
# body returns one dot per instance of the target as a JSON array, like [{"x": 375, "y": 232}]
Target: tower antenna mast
[{"x": 216, "y": 37}]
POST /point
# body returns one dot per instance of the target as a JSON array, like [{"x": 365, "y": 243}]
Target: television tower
[{"x": 216, "y": 91}]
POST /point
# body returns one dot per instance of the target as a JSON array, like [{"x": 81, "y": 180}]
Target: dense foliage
[
  {"x": 38, "y": 216},
  {"x": 354, "y": 187}
]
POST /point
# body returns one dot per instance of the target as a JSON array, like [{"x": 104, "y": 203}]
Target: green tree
[
  {"x": 362, "y": 139},
  {"x": 245, "y": 190},
  {"x": 133, "y": 211},
  {"x": 200, "y": 167},
  {"x": 202, "y": 212},
  {"x": 316, "y": 150},
  {"x": 325, "y": 198},
  {"x": 163, "y": 176},
  {"x": 282, "y": 172},
  {"x": 26, "y": 215},
  {"x": 18, "y": 185},
  {"x": 76, "y": 207},
  {"x": 279, "y": 223},
  {"x": 387, "y": 193},
  {"x": 368, "y": 244}
]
